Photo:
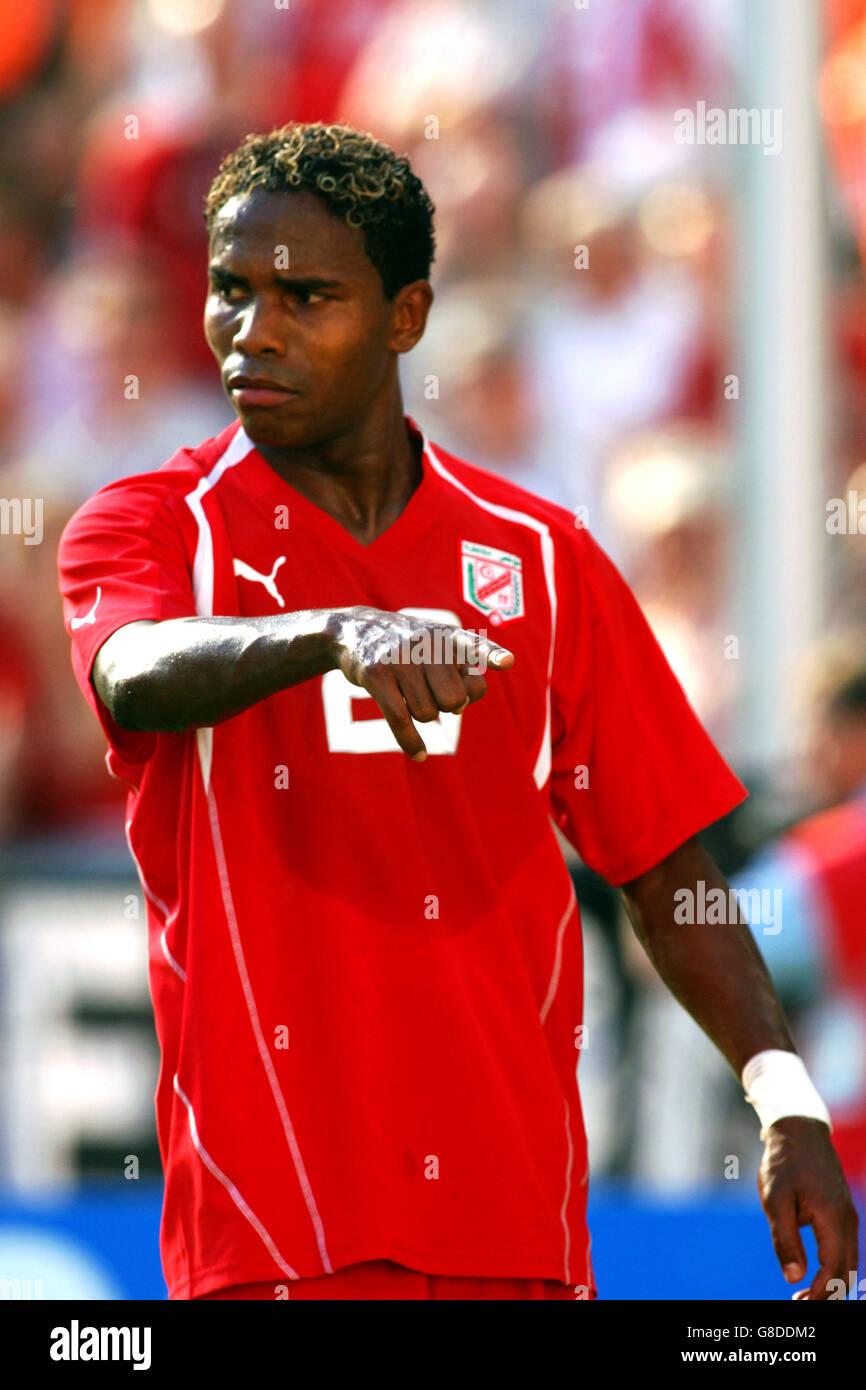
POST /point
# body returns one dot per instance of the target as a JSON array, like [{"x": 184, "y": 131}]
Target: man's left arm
[{"x": 718, "y": 974}]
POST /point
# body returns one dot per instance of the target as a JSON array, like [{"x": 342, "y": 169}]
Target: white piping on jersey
[
  {"x": 159, "y": 905},
  {"x": 227, "y": 1183},
  {"x": 178, "y": 969},
  {"x": 542, "y": 768},
  {"x": 562, "y": 1215},
  {"x": 204, "y": 747},
  {"x": 541, "y": 772},
  {"x": 202, "y": 570},
  {"x": 267, "y": 1062},
  {"x": 203, "y": 575},
  {"x": 544, "y": 1012},
  {"x": 557, "y": 958},
  {"x": 203, "y": 566}
]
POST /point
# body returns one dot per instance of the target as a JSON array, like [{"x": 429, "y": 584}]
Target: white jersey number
[{"x": 348, "y": 735}]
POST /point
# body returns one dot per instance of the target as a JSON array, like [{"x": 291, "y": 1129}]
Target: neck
[{"x": 363, "y": 477}]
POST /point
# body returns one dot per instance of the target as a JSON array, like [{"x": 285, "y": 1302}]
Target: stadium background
[{"x": 695, "y": 393}]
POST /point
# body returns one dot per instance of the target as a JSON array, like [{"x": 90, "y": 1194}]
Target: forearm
[
  {"x": 715, "y": 971},
  {"x": 192, "y": 672}
]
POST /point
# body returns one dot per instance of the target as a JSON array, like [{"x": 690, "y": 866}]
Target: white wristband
[{"x": 778, "y": 1084}]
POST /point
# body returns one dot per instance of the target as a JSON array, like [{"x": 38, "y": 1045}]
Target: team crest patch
[{"x": 492, "y": 581}]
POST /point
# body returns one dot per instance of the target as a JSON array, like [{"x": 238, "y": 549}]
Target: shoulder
[
  {"x": 580, "y": 574},
  {"x": 492, "y": 491},
  {"x": 576, "y": 554},
  {"x": 148, "y": 499}
]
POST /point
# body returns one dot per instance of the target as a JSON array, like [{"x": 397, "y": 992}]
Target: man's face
[{"x": 297, "y": 318}]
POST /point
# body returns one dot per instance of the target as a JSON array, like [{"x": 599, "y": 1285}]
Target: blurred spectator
[
  {"x": 434, "y": 64},
  {"x": 666, "y": 499},
  {"x": 115, "y": 394},
  {"x": 469, "y": 380},
  {"x": 818, "y": 959},
  {"x": 55, "y": 780},
  {"x": 847, "y": 549},
  {"x": 614, "y": 332},
  {"x": 142, "y": 184},
  {"x": 639, "y": 54}
]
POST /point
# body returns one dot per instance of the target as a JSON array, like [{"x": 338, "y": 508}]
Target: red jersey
[{"x": 366, "y": 972}]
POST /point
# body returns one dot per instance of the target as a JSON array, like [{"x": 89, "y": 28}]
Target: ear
[{"x": 409, "y": 315}]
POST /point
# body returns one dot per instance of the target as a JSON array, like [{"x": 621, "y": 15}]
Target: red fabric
[
  {"x": 409, "y": 926},
  {"x": 835, "y": 841},
  {"x": 381, "y": 1279}
]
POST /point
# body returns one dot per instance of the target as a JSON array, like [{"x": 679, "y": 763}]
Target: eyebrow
[{"x": 288, "y": 282}]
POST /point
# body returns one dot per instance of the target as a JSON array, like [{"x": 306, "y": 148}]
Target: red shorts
[{"x": 382, "y": 1279}]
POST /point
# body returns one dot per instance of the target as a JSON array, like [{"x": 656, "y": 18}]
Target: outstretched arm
[
  {"x": 717, "y": 974},
  {"x": 192, "y": 672}
]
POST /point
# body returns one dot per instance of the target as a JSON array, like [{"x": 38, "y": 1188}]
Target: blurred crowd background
[{"x": 589, "y": 340}]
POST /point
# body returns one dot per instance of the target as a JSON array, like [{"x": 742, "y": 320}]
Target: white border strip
[
  {"x": 160, "y": 907},
  {"x": 564, "y": 1209},
  {"x": 203, "y": 565},
  {"x": 202, "y": 570},
  {"x": 264, "y": 1054},
  {"x": 541, "y": 772},
  {"x": 203, "y": 585},
  {"x": 557, "y": 958},
  {"x": 542, "y": 768},
  {"x": 233, "y": 1192}
]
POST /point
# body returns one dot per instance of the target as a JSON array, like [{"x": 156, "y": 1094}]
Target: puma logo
[
  {"x": 245, "y": 571},
  {"x": 91, "y": 616}
]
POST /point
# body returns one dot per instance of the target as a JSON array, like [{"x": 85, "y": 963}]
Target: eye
[
  {"x": 309, "y": 296},
  {"x": 227, "y": 290}
]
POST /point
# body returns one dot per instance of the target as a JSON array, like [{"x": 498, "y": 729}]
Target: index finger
[{"x": 479, "y": 652}]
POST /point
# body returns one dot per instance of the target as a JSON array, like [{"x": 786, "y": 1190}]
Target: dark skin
[
  {"x": 718, "y": 974},
  {"x": 322, "y": 341},
  {"x": 324, "y": 326}
]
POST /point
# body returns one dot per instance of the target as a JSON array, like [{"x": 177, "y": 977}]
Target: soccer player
[{"x": 365, "y": 954}]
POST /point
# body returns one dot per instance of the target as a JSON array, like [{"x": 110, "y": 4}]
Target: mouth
[{"x": 258, "y": 391}]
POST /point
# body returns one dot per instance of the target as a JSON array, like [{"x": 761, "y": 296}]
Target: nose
[{"x": 259, "y": 329}]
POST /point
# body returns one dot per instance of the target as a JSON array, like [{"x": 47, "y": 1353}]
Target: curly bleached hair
[{"x": 356, "y": 177}]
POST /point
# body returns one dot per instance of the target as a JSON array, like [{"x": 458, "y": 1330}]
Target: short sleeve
[
  {"x": 122, "y": 558},
  {"x": 634, "y": 774}
]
